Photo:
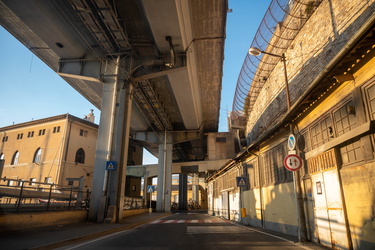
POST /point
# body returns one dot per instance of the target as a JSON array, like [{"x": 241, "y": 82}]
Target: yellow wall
[
  {"x": 50, "y": 143},
  {"x": 359, "y": 192},
  {"x": 71, "y": 169}
]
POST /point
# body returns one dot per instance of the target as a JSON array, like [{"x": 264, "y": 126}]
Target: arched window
[
  {"x": 15, "y": 158},
  {"x": 37, "y": 155},
  {"x": 80, "y": 156},
  {"x": 2, "y": 156}
]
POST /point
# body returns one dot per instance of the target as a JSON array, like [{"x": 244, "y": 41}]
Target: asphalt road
[{"x": 188, "y": 231}]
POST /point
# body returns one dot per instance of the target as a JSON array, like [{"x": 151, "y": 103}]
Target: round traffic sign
[{"x": 293, "y": 162}]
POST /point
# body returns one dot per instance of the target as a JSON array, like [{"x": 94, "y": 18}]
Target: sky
[{"x": 30, "y": 90}]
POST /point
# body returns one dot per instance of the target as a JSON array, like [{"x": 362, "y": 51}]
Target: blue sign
[
  {"x": 241, "y": 181},
  {"x": 150, "y": 189},
  {"x": 111, "y": 165},
  {"x": 291, "y": 142}
]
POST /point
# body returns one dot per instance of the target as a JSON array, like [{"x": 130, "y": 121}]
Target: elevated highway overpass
[{"x": 153, "y": 68}]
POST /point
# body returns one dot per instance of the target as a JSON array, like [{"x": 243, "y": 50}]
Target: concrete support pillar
[
  {"x": 121, "y": 151},
  {"x": 163, "y": 203},
  {"x": 146, "y": 183},
  {"x": 195, "y": 189},
  {"x": 112, "y": 145},
  {"x": 182, "y": 192},
  {"x": 99, "y": 187}
]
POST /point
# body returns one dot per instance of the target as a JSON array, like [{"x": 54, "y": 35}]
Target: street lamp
[{"x": 256, "y": 52}]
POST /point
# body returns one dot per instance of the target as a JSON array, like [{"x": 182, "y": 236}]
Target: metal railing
[{"x": 20, "y": 195}]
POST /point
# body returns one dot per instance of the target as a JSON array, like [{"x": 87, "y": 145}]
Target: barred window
[
  {"x": 345, "y": 119},
  {"x": 321, "y": 132},
  {"x": 371, "y": 101},
  {"x": 253, "y": 172},
  {"x": 304, "y": 142},
  {"x": 352, "y": 152},
  {"x": 327, "y": 130},
  {"x": 273, "y": 166},
  {"x": 316, "y": 138}
]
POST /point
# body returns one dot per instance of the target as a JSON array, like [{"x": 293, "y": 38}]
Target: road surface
[{"x": 188, "y": 231}]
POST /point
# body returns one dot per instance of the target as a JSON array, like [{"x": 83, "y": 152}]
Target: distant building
[{"x": 49, "y": 150}]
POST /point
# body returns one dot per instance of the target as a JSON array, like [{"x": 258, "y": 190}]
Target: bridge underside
[{"x": 153, "y": 68}]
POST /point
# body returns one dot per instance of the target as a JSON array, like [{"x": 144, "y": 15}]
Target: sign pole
[
  {"x": 150, "y": 208},
  {"x": 150, "y": 190}
]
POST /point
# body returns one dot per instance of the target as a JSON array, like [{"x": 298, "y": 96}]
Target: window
[
  {"x": 371, "y": 101},
  {"x": 253, "y": 172},
  {"x": 30, "y": 134},
  {"x": 56, "y": 129},
  {"x": 70, "y": 183},
  {"x": 80, "y": 156},
  {"x": 345, "y": 119},
  {"x": 42, "y": 132},
  {"x": 21, "y": 182},
  {"x": 37, "y": 155},
  {"x": 19, "y": 136},
  {"x": 15, "y": 158},
  {"x": 31, "y": 181},
  {"x": 83, "y": 132},
  {"x": 221, "y": 139},
  {"x": 274, "y": 171},
  {"x": 2, "y": 156},
  {"x": 352, "y": 152},
  {"x": 322, "y": 132},
  {"x": 47, "y": 180},
  {"x": 5, "y": 138},
  {"x": 304, "y": 143}
]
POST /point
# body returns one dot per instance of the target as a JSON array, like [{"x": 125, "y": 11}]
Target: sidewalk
[
  {"x": 57, "y": 236},
  {"x": 306, "y": 245}
]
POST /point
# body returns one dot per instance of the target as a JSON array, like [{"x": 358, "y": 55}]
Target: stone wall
[{"x": 326, "y": 33}]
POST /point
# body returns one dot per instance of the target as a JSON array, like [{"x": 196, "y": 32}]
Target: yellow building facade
[{"x": 49, "y": 150}]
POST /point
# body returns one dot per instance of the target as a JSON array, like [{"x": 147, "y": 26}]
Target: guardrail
[{"x": 17, "y": 195}]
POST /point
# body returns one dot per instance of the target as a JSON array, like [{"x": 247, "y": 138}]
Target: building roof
[{"x": 50, "y": 119}]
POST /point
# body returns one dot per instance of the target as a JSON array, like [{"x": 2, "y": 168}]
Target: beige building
[{"x": 49, "y": 150}]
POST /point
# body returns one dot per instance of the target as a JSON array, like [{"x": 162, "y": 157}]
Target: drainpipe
[
  {"x": 164, "y": 172},
  {"x": 113, "y": 111}
]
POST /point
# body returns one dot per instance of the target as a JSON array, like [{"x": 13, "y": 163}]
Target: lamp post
[
  {"x": 296, "y": 181},
  {"x": 256, "y": 52}
]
